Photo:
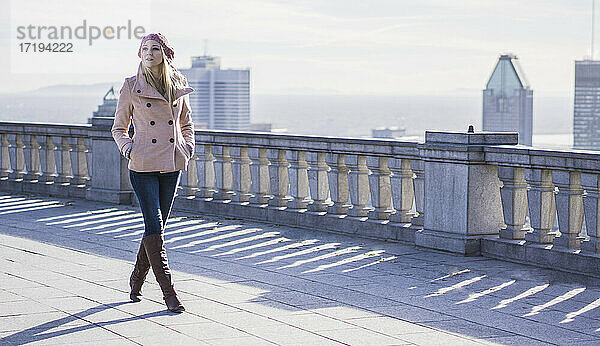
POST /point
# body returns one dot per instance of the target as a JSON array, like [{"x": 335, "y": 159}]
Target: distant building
[
  {"x": 108, "y": 106},
  {"x": 222, "y": 96},
  {"x": 388, "y": 132},
  {"x": 586, "y": 110},
  {"x": 508, "y": 100}
]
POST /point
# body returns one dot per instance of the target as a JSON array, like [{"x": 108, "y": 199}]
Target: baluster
[
  {"x": 380, "y": 187},
  {"x": 569, "y": 206},
  {"x": 18, "y": 156},
  {"x": 189, "y": 178},
  {"x": 591, "y": 208},
  {"x": 87, "y": 141},
  {"x": 298, "y": 174},
  {"x": 241, "y": 174},
  {"x": 260, "y": 176},
  {"x": 514, "y": 201},
  {"x": 359, "y": 185},
  {"x": 5, "y": 156},
  {"x": 63, "y": 164},
  {"x": 339, "y": 187},
  {"x": 47, "y": 162},
  {"x": 78, "y": 152},
  {"x": 32, "y": 159},
  {"x": 317, "y": 181},
  {"x": 206, "y": 171},
  {"x": 542, "y": 207},
  {"x": 418, "y": 167},
  {"x": 403, "y": 192},
  {"x": 223, "y": 173},
  {"x": 279, "y": 177}
]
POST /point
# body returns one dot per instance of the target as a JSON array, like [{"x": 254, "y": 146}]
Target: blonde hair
[{"x": 168, "y": 80}]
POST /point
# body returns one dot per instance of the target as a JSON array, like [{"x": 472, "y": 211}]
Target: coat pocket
[{"x": 135, "y": 147}]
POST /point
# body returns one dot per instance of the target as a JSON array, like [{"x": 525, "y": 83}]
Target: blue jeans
[{"x": 155, "y": 191}]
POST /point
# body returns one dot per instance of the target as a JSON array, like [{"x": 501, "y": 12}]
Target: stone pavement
[{"x": 64, "y": 269}]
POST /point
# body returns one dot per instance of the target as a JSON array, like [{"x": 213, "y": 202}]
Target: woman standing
[{"x": 156, "y": 101}]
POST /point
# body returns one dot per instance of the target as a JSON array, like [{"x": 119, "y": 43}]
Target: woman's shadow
[{"x": 41, "y": 332}]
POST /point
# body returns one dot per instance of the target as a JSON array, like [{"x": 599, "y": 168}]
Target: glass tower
[
  {"x": 586, "y": 112},
  {"x": 508, "y": 100},
  {"x": 222, "y": 96}
]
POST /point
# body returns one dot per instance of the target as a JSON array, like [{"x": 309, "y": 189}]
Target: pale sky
[{"x": 342, "y": 46}]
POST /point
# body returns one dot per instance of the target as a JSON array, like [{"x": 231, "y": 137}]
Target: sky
[{"x": 379, "y": 47}]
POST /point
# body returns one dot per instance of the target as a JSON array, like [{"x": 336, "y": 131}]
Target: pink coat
[{"x": 163, "y": 137}]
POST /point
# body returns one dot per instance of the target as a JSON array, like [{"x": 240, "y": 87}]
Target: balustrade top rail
[{"x": 346, "y": 145}]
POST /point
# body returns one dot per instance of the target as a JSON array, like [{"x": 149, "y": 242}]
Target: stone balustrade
[
  {"x": 49, "y": 159},
  {"x": 468, "y": 193}
]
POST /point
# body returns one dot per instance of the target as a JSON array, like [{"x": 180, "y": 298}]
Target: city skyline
[{"x": 397, "y": 47}]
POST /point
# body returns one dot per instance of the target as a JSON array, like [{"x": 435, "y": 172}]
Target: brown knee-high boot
[
  {"x": 138, "y": 276},
  {"x": 157, "y": 254}
]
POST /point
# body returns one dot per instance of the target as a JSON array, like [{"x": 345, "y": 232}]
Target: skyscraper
[
  {"x": 222, "y": 96},
  {"x": 586, "y": 110},
  {"x": 508, "y": 100}
]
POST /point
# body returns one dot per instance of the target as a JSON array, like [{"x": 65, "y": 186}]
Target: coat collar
[{"x": 147, "y": 90}]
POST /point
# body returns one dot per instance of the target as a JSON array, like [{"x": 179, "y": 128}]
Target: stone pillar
[
  {"x": 591, "y": 208},
  {"x": 32, "y": 159},
  {"x": 206, "y": 171},
  {"x": 79, "y": 161},
  {"x": 280, "y": 181},
  {"x": 338, "y": 184},
  {"x": 109, "y": 173},
  {"x": 223, "y": 173},
  {"x": 259, "y": 170},
  {"x": 298, "y": 174},
  {"x": 18, "y": 156},
  {"x": 47, "y": 163},
  {"x": 241, "y": 174},
  {"x": 514, "y": 202},
  {"x": 359, "y": 185},
  {"x": 5, "y": 156},
  {"x": 569, "y": 205},
  {"x": 462, "y": 193},
  {"x": 542, "y": 206},
  {"x": 403, "y": 192},
  {"x": 380, "y": 188},
  {"x": 318, "y": 182}
]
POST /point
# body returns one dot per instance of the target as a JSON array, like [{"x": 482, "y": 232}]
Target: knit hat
[{"x": 160, "y": 38}]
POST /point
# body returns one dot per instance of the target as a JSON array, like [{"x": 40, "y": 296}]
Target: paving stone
[
  {"x": 44, "y": 320},
  {"x": 433, "y": 338},
  {"x": 314, "y": 322},
  {"x": 467, "y": 328},
  {"x": 211, "y": 330},
  {"x": 410, "y": 313},
  {"x": 21, "y": 308},
  {"x": 359, "y": 336},
  {"x": 387, "y": 325}
]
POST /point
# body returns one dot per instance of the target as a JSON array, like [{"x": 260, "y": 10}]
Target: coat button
[
  {"x": 148, "y": 104},
  {"x": 152, "y": 122},
  {"x": 139, "y": 91},
  {"x": 170, "y": 122},
  {"x": 171, "y": 140},
  {"x": 153, "y": 140}
]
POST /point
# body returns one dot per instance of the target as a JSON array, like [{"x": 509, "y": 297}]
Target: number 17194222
[{"x": 63, "y": 47}]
